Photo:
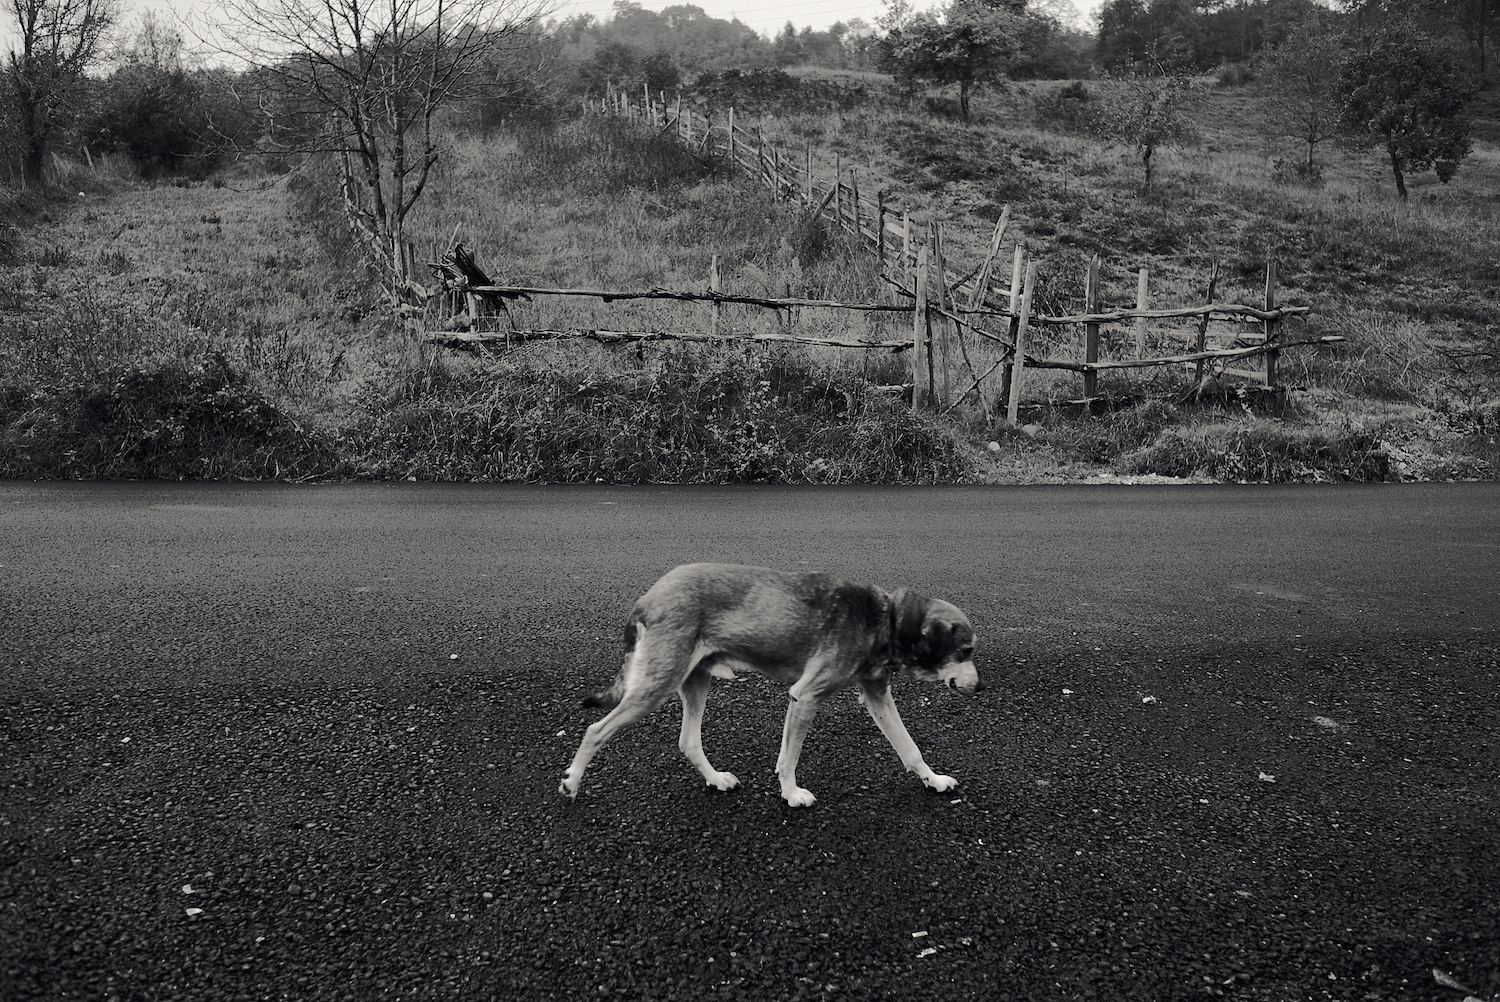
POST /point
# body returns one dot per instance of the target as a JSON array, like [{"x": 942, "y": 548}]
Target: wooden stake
[
  {"x": 1213, "y": 280},
  {"x": 1141, "y": 303},
  {"x": 1271, "y": 325},
  {"x": 807, "y": 178},
  {"x": 1019, "y": 365},
  {"x": 838, "y": 191},
  {"x": 908, "y": 255},
  {"x": 731, "y": 134},
  {"x": 854, "y": 199},
  {"x": 1091, "y": 331},
  {"x": 944, "y": 338},
  {"x": 982, "y": 281},
  {"x": 713, "y": 288},
  {"x": 1015, "y": 281},
  {"x": 919, "y": 360},
  {"x": 880, "y": 228}
]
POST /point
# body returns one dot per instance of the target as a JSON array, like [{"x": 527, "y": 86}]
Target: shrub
[
  {"x": 1298, "y": 172},
  {"x": 1262, "y": 452},
  {"x": 171, "y": 421},
  {"x": 1069, "y": 109}
]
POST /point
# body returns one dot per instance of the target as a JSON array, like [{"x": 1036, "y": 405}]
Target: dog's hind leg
[
  {"x": 628, "y": 712},
  {"x": 640, "y": 692},
  {"x": 694, "y": 694},
  {"x": 875, "y": 694}
]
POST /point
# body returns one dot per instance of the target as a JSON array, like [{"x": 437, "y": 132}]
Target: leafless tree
[
  {"x": 363, "y": 80},
  {"x": 58, "y": 41},
  {"x": 1299, "y": 86}
]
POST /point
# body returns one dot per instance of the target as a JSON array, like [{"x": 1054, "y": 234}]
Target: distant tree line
[
  {"x": 367, "y": 85},
  {"x": 1204, "y": 34}
]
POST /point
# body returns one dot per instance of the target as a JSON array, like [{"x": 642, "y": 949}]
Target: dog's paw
[
  {"x": 571, "y": 792},
  {"x": 939, "y": 783},
  {"x": 722, "y": 780},
  {"x": 799, "y": 797}
]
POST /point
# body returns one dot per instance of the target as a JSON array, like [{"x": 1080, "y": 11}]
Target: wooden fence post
[
  {"x": 982, "y": 280},
  {"x": 731, "y": 136},
  {"x": 838, "y": 192},
  {"x": 1015, "y": 280},
  {"x": 1008, "y": 371},
  {"x": 1213, "y": 280},
  {"x": 1271, "y": 326},
  {"x": 713, "y": 287},
  {"x": 1141, "y": 300},
  {"x": 1019, "y": 367},
  {"x": 854, "y": 200},
  {"x": 920, "y": 363},
  {"x": 944, "y": 350},
  {"x": 1091, "y": 331},
  {"x": 880, "y": 228}
]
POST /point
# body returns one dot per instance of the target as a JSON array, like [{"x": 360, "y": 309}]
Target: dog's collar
[{"x": 889, "y": 658}]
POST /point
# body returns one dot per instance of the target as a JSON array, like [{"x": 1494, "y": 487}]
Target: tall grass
[{"x": 688, "y": 415}]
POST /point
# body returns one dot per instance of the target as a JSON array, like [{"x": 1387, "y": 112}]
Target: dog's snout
[{"x": 962, "y": 676}]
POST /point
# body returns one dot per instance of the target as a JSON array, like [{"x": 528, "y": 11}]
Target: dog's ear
[{"x": 938, "y": 636}]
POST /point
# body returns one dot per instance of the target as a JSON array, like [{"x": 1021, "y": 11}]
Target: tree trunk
[
  {"x": 1396, "y": 170},
  {"x": 35, "y": 162},
  {"x": 1146, "y": 152},
  {"x": 34, "y": 131}
]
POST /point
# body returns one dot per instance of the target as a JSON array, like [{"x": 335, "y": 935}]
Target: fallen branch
[
  {"x": 477, "y": 339},
  {"x": 1141, "y": 363},
  {"x": 692, "y": 297},
  {"x": 1254, "y": 313}
]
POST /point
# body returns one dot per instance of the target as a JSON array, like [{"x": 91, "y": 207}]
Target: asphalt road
[{"x": 303, "y": 742}]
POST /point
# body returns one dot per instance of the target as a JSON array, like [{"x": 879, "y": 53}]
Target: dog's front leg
[
  {"x": 799, "y": 717},
  {"x": 875, "y": 693}
]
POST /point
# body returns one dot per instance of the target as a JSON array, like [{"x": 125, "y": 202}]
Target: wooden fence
[{"x": 947, "y": 313}]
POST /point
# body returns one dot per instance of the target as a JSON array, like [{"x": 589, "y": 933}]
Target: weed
[
  {"x": 113, "y": 262},
  {"x": 55, "y": 257},
  {"x": 1262, "y": 452}
]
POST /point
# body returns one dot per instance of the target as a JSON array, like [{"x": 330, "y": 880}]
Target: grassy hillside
[{"x": 225, "y": 329}]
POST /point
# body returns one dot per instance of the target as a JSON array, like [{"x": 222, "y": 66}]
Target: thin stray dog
[{"x": 811, "y": 632}]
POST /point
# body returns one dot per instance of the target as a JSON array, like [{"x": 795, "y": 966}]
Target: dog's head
[{"x": 934, "y": 640}]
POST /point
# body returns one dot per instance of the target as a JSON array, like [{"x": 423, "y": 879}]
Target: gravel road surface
[{"x": 281, "y": 742}]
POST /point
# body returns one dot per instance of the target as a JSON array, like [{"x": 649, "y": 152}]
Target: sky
[{"x": 765, "y": 16}]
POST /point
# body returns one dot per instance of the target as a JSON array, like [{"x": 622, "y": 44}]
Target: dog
[{"x": 810, "y": 632}]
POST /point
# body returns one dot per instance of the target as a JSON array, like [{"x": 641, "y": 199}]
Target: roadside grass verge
[{"x": 686, "y": 415}]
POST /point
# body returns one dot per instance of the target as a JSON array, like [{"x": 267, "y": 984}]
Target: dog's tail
[{"x": 610, "y": 698}]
